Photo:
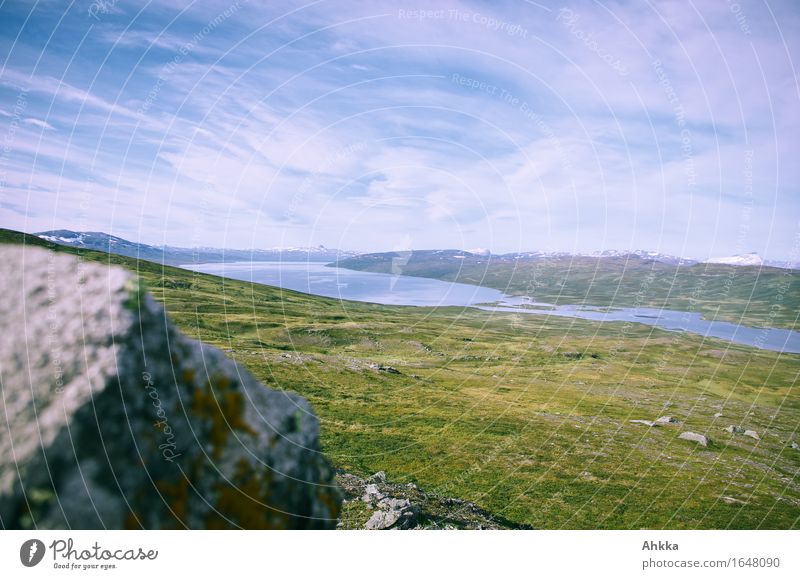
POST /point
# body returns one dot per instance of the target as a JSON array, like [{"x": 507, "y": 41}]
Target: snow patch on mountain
[{"x": 747, "y": 259}]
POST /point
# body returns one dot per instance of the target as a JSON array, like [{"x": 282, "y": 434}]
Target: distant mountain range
[
  {"x": 479, "y": 256},
  {"x": 446, "y": 263},
  {"x": 185, "y": 255},
  {"x": 643, "y": 254}
]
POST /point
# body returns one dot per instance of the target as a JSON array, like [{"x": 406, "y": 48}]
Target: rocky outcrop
[
  {"x": 393, "y": 514},
  {"x": 388, "y": 512},
  {"x": 375, "y": 503},
  {"x": 113, "y": 419}
]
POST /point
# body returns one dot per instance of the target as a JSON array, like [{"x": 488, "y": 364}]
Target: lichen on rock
[{"x": 112, "y": 418}]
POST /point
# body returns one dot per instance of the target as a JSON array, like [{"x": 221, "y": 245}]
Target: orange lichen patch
[
  {"x": 188, "y": 376},
  {"x": 224, "y": 410},
  {"x": 176, "y": 496},
  {"x": 132, "y": 521},
  {"x": 240, "y": 503},
  {"x": 234, "y": 402}
]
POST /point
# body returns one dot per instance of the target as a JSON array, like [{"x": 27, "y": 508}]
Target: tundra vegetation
[{"x": 529, "y": 417}]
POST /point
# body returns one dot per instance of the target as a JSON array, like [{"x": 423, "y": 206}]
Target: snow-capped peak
[{"x": 747, "y": 259}]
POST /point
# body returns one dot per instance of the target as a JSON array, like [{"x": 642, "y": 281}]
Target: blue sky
[{"x": 373, "y": 126}]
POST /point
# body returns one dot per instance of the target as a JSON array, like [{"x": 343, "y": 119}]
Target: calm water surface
[{"x": 381, "y": 288}]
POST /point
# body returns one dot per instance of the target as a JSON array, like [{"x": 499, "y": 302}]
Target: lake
[{"x": 380, "y": 288}]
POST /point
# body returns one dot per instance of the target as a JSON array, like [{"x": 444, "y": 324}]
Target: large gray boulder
[
  {"x": 111, "y": 418},
  {"x": 694, "y": 437}
]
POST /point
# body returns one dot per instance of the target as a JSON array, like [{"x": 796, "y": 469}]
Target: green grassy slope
[
  {"x": 528, "y": 416},
  {"x": 748, "y": 295}
]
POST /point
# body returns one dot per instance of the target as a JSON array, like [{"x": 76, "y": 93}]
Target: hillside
[
  {"x": 182, "y": 255},
  {"x": 528, "y": 417},
  {"x": 752, "y": 296}
]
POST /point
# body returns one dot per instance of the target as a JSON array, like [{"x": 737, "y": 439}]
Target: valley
[
  {"x": 748, "y": 295},
  {"x": 527, "y": 417}
]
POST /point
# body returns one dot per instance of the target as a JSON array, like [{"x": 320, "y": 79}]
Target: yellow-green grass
[{"x": 527, "y": 416}]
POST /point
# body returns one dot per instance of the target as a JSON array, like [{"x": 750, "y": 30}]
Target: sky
[{"x": 669, "y": 126}]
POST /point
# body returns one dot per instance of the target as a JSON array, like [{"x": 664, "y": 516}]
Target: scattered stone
[
  {"x": 658, "y": 422},
  {"x": 382, "y": 368},
  {"x": 666, "y": 420},
  {"x": 733, "y": 501},
  {"x": 694, "y": 437},
  {"x": 734, "y": 429},
  {"x": 130, "y": 424},
  {"x": 794, "y": 445},
  {"x": 752, "y": 434}
]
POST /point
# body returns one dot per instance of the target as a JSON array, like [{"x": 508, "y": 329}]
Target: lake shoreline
[{"x": 319, "y": 279}]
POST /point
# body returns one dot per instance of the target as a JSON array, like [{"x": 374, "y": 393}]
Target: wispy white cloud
[
  {"x": 39, "y": 123},
  {"x": 503, "y": 126}
]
